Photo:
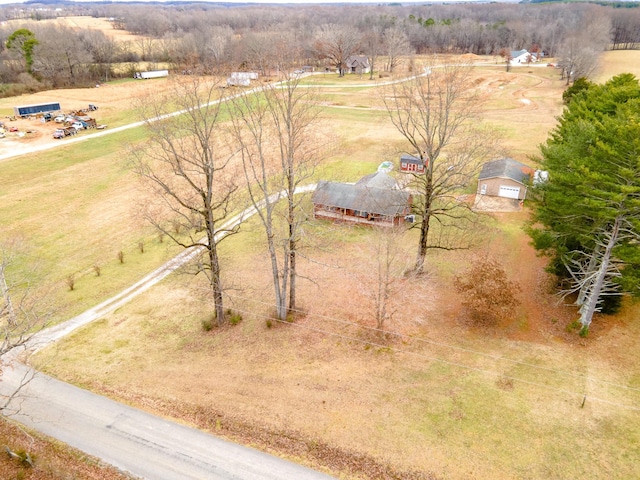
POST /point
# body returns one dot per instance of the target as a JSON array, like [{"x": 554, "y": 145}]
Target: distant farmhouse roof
[
  {"x": 410, "y": 158},
  {"x": 506, "y": 168},
  {"x": 357, "y": 60},
  {"x": 517, "y": 53},
  {"x": 357, "y": 64},
  {"x": 412, "y": 164},
  {"x": 523, "y": 56}
]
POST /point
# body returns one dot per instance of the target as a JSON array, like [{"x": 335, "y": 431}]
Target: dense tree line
[
  {"x": 57, "y": 56},
  {"x": 190, "y": 36},
  {"x": 478, "y": 29}
]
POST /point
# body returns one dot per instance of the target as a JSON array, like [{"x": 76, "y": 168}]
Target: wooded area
[{"x": 203, "y": 37}]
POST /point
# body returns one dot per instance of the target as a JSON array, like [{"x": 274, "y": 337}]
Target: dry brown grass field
[
  {"x": 437, "y": 396},
  {"x": 617, "y": 61},
  {"x": 88, "y": 23}
]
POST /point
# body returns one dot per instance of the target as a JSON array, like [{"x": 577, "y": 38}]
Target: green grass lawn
[
  {"x": 74, "y": 208},
  {"x": 335, "y": 81}
]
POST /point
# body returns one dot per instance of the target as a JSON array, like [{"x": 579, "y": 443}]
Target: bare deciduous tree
[
  {"x": 274, "y": 130},
  {"x": 337, "y": 43},
  {"x": 585, "y": 38},
  {"x": 434, "y": 112},
  {"x": 505, "y": 53},
  {"x": 396, "y": 44},
  {"x": 147, "y": 47},
  {"x": 215, "y": 44},
  {"x": 262, "y": 49},
  {"x": 202, "y": 50},
  {"x": 385, "y": 265},
  {"x": 102, "y": 49},
  {"x": 372, "y": 46},
  {"x": 187, "y": 162},
  {"x": 61, "y": 57}
]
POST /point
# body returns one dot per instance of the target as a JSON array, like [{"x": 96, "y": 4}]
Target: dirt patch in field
[
  {"x": 113, "y": 101},
  {"x": 487, "y": 203}
]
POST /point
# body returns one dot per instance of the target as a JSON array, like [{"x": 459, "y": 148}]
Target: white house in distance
[{"x": 522, "y": 57}]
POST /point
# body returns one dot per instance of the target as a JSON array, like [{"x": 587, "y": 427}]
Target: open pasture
[{"x": 88, "y": 23}]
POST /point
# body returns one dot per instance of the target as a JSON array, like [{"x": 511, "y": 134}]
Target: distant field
[
  {"x": 88, "y": 23},
  {"x": 618, "y": 61},
  {"x": 443, "y": 395}
]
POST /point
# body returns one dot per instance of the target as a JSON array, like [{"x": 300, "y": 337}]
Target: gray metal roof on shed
[
  {"x": 506, "y": 168},
  {"x": 381, "y": 201}
]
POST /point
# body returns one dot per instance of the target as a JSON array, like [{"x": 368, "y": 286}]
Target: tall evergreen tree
[
  {"x": 588, "y": 216},
  {"x": 25, "y": 41}
]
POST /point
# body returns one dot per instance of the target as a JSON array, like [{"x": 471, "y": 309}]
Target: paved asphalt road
[{"x": 144, "y": 445}]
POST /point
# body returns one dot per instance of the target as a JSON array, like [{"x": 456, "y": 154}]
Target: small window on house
[{"x": 483, "y": 189}]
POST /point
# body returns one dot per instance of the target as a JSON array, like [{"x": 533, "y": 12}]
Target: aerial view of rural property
[{"x": 300, "y": 241}]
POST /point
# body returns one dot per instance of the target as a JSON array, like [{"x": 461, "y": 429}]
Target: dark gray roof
[
  {"x": 378, "y": 180},
  {"x": 506, "y": 168},
  {"x": 354, "y": 60},
  {"x": 382, "y": 201}
]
